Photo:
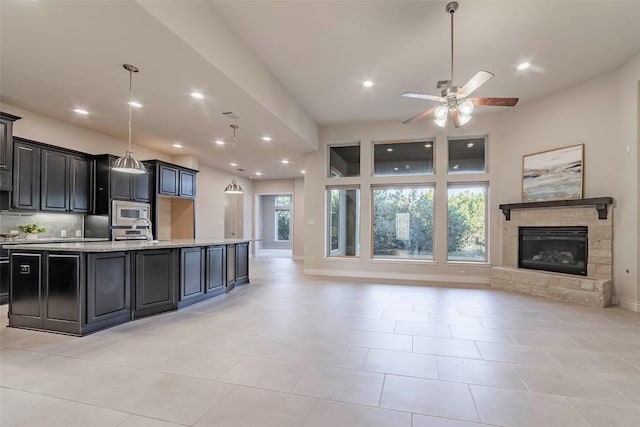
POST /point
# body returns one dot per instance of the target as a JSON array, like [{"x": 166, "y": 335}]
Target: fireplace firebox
[{"x": 559, "y": 249}]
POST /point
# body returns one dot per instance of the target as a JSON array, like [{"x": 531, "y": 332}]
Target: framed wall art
[{"x": 553, "y": 174}]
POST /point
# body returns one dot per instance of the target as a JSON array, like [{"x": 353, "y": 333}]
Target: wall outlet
[
  {"x": 63, "y": 233},
  {"x": 78, "y": 233}
]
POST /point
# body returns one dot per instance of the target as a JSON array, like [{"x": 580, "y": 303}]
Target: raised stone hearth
[{"x": 594, "y": 289}]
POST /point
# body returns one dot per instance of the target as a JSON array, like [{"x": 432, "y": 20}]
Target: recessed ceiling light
[
  {"x": 219, "y": 142},
  {"x": 266, "y": 138},
  {"x": 523, "y": 66},
  {"x": 367, "y": 83},
  {"x": 176, "y": 145},
  {"x": 135, "y": 104},
  {"x": 428, "y": 145},
  {"x": 259, "y": 173},
  {"x": 80, "y": 111},
  {"x": 469, "y": 144},
  {"x": 197, "y": 95},
  {"x": 303, "y": 171},
  {"x": 389, "y": 149},
  {"x": 233, "y": 164},
  {"x": 285, "y": 162}
]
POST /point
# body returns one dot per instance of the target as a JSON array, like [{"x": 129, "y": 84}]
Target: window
[
  {"x": 283, "y": 225},
  {"x": 467, "y": 155},
  {"x": 406, "y": 158},
  {"x": 467, "y": 235},
  {"x": 344, "y": 161},
  {"x": 343, "y": 212},
  {"x": 403, "y": 222},
  {"x": 283, "y": 218}
]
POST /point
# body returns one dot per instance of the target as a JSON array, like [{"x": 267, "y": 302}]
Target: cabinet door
[
  {"x": 108, "y": 287},
  {"x": 187, "y": 184},
  {"x": 191, "y": 273},
  {"x": 242, "y": 263},
  {"x": 25, "y": 292},
  {"x": 168, "y": 180},
  {"x": 6, "y": 155},
  {"x": 215, "y": 279},
  {"x": 4, "y": 280},
  {"x": 141, "y": 191},
  {"x": 80, "y": 180},
  {"x": 155, "y": 287},
  {"x": 26, "y": 176},
  {"x": 62, "y": 295},
  {"x": 121, "y": 186},
  {"x": 231, "y": 267},
  {"x": 54, "y": 189}
]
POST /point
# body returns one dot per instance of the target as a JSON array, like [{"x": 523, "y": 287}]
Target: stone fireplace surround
[{"x": 593, "y": 289}]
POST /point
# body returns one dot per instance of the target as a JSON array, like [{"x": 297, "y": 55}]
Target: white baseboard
[
  {"x": 626, "y": 303},
  {"x": 298, "y": 258},
  {"x": 481, "y": 280}
]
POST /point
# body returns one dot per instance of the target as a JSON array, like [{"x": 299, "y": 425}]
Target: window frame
[
  {"x": 430, "y": 140},
  {"x": 466, "y": 137},
  {"x": 277, "y": 211},
  {"x": 470, "y": 184},
  {"x": 331, "y": 171},
  {"x": 335, "y": 253}
]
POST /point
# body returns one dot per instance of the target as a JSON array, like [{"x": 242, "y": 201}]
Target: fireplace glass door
[{"x": 558, "y": 249}]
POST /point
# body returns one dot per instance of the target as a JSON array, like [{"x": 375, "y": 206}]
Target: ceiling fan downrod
[{"x": 451, "y": 9}]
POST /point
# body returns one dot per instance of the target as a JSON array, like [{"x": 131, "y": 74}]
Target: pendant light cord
[
  {"x": 452, "y": 12},
  {"x": 130, "y": 95},
  {"x": 235, "y": 162}
]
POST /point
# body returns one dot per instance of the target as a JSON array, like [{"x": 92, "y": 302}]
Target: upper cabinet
[
  {"x": 49, "y": 179},
  {"x": 111, "y": 185},
  {"x": 6, "y": 150},
  {"x": 173, "y": 180}
]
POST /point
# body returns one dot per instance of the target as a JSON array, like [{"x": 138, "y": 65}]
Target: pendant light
[
  {"x": 128, "y": 164},
  {"x": 234, "y": 187}
]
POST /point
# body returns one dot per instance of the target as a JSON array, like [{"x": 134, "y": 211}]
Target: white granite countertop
[{"x": 130, "y": 245}]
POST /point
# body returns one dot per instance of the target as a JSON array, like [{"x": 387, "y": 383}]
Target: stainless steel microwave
[{"x": 123, "y": 214}]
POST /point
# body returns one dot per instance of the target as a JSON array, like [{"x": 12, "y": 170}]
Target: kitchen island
[{"x": 78, "y": 288}]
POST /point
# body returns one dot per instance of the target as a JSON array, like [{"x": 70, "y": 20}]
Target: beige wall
[{"x": 601, "y": 113}]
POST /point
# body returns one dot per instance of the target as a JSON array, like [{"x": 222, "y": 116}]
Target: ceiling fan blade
[
  {"x": 456, "y": 118},
  {"x": 422, "y": 96},
  {"x": 419, "y": 116},
  {"x": 480, "y": 78},
  {"x": 495, "y": 102}
]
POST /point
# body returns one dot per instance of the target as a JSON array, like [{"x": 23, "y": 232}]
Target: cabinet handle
[
  {"x": 25, "y": 269},
  {"x": 26, "y": 148}
]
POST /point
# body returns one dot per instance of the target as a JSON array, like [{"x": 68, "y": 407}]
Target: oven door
[{"x": 124, "y": 214}]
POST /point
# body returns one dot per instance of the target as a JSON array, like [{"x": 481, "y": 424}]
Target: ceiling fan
[{"x": 454, "y": 100}]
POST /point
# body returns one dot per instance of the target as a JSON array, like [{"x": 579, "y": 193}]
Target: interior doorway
[{"x": 275, "y": 226}]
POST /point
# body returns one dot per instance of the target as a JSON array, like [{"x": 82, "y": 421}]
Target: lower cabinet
[
  {"x": 231, "y": 268},
  {"x": 26, "y": 291},
  {"x": 108, "y": 289},
  {"x": 156, "y": 282},
  {"x": 215, "y": 281},
  {"x": 4, "y": 280},
  {"x": 192, "y": 276},
  {"x": 242, "y": 263}
]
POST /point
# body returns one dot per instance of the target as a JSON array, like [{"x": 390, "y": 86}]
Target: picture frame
[{"x": 555, "y": 174}]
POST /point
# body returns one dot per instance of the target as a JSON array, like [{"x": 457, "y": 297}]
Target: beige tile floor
[{"x": 290, "y": 350}]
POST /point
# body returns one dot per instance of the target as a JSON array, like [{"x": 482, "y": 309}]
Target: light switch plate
[{"x": 78, "y": 233}]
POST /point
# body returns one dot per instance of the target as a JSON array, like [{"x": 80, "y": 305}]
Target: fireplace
[{"x": 558, "y": 249}]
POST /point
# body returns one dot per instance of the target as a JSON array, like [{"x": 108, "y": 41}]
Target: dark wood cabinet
[
  {"x": 155, "y": 282},
  {"x": 54, "y": 184},
  {"x": 26, "y": 176},
  {"x": 231, "y": 268},
  {"x": 187, "y": 184},
  {"x": 80, "y": 184},
  {"x": 168, "y": 180},
  {"x": 141, "y": 190},
  {"x": 4, "y": 278},
  {"x": 215, "y": 270},
  {"x": 6, "y": 150},
  {"x": 121, "y": 187},
  {"x": 62, "y": 293},
  {"x": 192, "y": 271},
  {"x": 111, "y": 185},
  {"x": 242, "y": 263},
  {"x": 26, "y": 290},
  {"x": 108, "y": 289}
]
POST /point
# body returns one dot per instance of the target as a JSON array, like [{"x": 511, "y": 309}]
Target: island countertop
[{"x": 117, "y": 246}]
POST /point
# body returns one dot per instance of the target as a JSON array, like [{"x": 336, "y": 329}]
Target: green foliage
[
  {"x": 283, "y": 225},
  {"x": 31, "y": 228},
  {"x": 466, "y": 222}
]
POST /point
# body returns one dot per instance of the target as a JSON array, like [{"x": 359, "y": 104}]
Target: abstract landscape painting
[{"x": 553, "y": 175}]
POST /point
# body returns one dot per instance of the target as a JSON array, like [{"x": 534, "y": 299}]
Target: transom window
[{"x": 403, "y": 158}]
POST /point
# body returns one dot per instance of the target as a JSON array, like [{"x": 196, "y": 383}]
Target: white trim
[
  {"x": 627, "y": 303},
  {"x": 298, "y": 258},
  {"x": 479, "y": 280}
]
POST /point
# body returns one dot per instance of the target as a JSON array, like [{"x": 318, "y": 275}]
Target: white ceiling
[{"x": 58, "y": 55}]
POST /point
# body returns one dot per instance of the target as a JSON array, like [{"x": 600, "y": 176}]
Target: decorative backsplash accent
[{"x": 55, "y": 224}]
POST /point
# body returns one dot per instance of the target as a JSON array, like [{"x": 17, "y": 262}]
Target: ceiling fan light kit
[{"x": 454, "y": 101}]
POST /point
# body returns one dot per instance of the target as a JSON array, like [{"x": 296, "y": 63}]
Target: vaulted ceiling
[{"x": 287, "y": 67}]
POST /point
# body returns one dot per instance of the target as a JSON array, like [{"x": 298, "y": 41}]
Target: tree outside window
[{"x": 467, "y": 236}]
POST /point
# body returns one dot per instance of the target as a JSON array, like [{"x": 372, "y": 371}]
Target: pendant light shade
[
  {"x": 128, "y": 163},
  {"x": 234, "y": 187}
]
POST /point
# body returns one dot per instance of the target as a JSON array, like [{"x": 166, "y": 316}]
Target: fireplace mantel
[{"x": 600, "y": 203}]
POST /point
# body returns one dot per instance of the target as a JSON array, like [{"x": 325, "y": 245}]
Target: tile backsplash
[{"x": 55, "y": 224}]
